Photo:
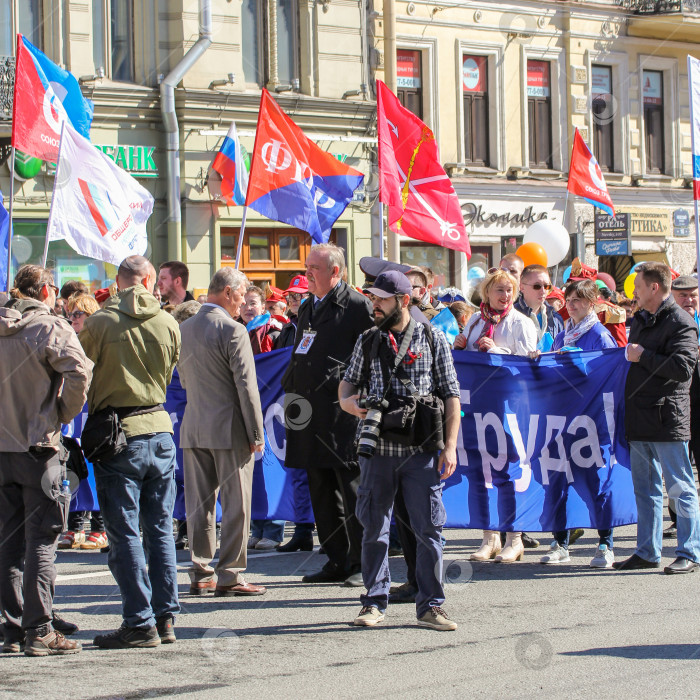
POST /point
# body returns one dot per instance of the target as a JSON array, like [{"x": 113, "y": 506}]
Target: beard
[{"x": 384, "y": 323}]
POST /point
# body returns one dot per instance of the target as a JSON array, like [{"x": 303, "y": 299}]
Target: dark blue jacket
[{"x": 598, "y": 338}]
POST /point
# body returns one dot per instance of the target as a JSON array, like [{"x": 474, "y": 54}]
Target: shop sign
[
  {"x": 681, "y": 223},
  {"x": 612, "y": 234},
  {"x": 474, "y": 74},
  {"x": 478, "y": 216},
  {"x": 407, "y": 69},
  {"x": 137, "y": 160},
  {"x": 601, "y": 80},
  {"x": 537, "y": 78},
  {"x": 653, "y": 84},
  {"x": 649, "y": 222}
]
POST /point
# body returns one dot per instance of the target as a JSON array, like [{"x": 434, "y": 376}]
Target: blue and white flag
[{"x": 4, "y": 244}]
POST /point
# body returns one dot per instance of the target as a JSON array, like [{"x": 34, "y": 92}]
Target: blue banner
[{"x": 541, "y": 445}]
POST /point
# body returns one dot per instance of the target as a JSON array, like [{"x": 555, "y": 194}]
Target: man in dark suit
[
  {"x": 221, "y": 431},
  {"x": 320, "y": 436}
]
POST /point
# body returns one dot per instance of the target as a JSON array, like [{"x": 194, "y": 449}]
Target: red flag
[
  {"x": 420, "y": 198},
  {"x": 293, "y": 180},
  {"x": 586, "y": 178}
]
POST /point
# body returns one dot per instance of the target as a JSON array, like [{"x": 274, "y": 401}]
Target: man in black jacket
[
  {"x": 320, "y": 436},
  {"x": 663, "y": 352}
]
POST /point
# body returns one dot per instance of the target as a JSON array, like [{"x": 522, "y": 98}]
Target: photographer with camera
[{"x": 402, "y": 382}]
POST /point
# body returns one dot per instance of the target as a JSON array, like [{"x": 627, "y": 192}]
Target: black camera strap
[{"x": 401, "y": 353}]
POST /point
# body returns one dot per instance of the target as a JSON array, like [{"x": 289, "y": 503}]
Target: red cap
[
  {"x": 298, "y": 284},
  {"x": 102, "y": 295},
  {"x": 556, "y": 293},
  {"x": 275, "y": 296},
  {"x": 579, "y": 271}
]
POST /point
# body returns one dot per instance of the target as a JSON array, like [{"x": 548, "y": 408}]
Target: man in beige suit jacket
[{"x": 221, "y": 431}]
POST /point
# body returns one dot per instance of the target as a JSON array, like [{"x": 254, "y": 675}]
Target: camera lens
[{"x": 369, "y": 435}]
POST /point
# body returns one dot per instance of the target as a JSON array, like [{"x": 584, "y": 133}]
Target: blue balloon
[
  {"x": 475, "y": 273},
  {"x": 567, "y": 274}
]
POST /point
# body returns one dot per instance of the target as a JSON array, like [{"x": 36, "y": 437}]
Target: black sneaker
[
  {"x": 165, "y": 625},
  {"x": 129, "y": 638},
  {"x": 63, "y": 626}
]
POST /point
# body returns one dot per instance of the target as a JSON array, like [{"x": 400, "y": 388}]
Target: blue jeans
[
  {"x": 139, "y": 484},
  {"x": 649, "y": 461},
  {"x": 419, "y": 481},
  {"x": 270, "y": 529}
]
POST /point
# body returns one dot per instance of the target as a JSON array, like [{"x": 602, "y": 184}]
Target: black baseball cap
[{"x": 389, "y": 284}]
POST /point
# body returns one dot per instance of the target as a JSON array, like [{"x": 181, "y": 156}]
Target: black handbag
[
  {"x": 103, "y": 437},
  {"x": 71, "y": 456}
]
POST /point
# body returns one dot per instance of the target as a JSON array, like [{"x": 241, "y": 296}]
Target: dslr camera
[{"x": 372, "y": 424}]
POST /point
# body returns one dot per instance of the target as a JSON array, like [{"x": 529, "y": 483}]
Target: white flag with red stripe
[{"x": 99, "y": 209}]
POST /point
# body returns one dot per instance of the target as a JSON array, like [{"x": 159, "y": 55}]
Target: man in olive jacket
[
  {"x": 135, "y": 347},
  {"x": 320, "y": 436},
  {"x": 663, "y": 353}
]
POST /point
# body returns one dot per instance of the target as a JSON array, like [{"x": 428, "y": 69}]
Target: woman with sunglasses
[
  {"x": 499, "y": 329},
  {"x": 78, "y": 307},
  {"x": 584, "y": 331},
  {"x": 535, "y": 285}
]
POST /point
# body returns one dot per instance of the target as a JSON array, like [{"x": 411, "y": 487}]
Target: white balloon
[{"x": 553, "y": 237}]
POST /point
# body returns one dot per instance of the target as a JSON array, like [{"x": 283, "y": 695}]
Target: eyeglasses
[
  {"x": 54, "y": 287},
  {"x": 537, "y": 286},
  {"x": 295, "y": 296},
  {"x": 416, "y": 286},
  {"x": 76, "y": 314}
]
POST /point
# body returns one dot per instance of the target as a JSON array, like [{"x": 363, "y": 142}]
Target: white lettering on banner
[
  {"x": 51, "y": 141},
  {"x": 464, "y": 399},
  {"x": 590, "y": 441},
  {"x": 274, "y": 411},
  {"x": 524, "y": 455},
  {"x": 489, "y": 461},
  {"x": 271, "y": 153},
  {"x": 555, "y": 424},
  {"x": 609, "y": 409}
]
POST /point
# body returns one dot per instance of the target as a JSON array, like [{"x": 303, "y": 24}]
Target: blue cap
[{"x": 389, "y": 284}]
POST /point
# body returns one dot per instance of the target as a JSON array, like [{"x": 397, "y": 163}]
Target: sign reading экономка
[{"x": 137, "y": 160}]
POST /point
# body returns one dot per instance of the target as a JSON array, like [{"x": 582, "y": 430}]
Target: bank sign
[{"x": 136, "y": 160}]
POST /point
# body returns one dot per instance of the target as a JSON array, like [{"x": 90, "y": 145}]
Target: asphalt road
[{"x": 526, "y": 630}]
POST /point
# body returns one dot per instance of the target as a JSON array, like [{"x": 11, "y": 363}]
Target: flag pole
[
  {"x": 694, "y": 150},
  {"x": 240, "y": 238},
  {"x": 9, "y": 213},
  {"x": 381, "y": 230},
  {"x": 53, "y": 196}
]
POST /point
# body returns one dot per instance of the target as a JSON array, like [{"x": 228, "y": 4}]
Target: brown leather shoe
[
  {"x": 54, "y": 643},
  {"x": 202, "y": 587},
  {"x": 242, "y": 588}
]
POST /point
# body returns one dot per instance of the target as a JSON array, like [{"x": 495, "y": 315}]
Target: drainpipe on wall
[
  {"x": 389, "y": 18},
  {"x": 172, "y": 132}
]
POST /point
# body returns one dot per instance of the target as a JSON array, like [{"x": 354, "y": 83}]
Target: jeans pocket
[{"x": 438, "y": 516}]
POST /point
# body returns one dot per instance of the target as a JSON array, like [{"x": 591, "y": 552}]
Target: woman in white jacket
[{"x": 499, "y": 328}]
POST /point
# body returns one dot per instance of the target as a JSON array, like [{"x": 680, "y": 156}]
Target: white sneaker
[
  {"x": 252, "y": 541},
  {"x": 556, "y": 554},
  {"x": 603, "y": 558},
  {"x": 265, "y": 544}
]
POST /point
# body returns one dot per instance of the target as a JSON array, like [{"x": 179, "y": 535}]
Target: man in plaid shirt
[{"x": 416, "y": 471}]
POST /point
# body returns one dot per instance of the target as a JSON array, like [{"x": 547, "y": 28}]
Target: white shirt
[{"x": 514, "y": 335}]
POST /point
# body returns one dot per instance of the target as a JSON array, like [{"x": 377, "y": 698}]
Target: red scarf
[{"x": 491, "y": 319}]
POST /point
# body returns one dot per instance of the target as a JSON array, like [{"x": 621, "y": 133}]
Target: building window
[
  {"x": 603, "y": 113},
  {"x": 539, "y": 113},
  {"x": 23, "y": 16},
  {"x": 409, "y": 86},
  {"x": 653, "y": 90},
  {"x": 256, "y": 17},
  {"x": 122, "y": 32},
  {"x": 476, "y": 109}
]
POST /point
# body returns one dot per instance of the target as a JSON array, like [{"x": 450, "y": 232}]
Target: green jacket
[{"x": 134, "y": 346}]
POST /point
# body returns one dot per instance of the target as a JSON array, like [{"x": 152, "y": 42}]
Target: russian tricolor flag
[
  {"x": 230, "y": 165},
  {"x": 694, "y": 87}
]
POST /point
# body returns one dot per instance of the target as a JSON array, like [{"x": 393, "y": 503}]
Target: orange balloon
[{"x": 532, "y": 254}]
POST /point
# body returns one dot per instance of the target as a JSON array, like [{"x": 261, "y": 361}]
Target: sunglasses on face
[
  {"x": 538, "y": 286},
  {"x": 75, "y": 315}
]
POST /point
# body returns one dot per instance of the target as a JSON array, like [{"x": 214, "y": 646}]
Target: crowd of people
[{"x": 369, "y": 463}]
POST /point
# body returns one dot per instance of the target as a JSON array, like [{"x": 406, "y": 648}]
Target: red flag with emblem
[
  {"x": 418, "y": 193},
  {"x": 586, "y": 178}
]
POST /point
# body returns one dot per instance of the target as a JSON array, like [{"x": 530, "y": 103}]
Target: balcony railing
[
  {"x": 7, "y": 85},
  {"x": 660, "y": 7}
]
